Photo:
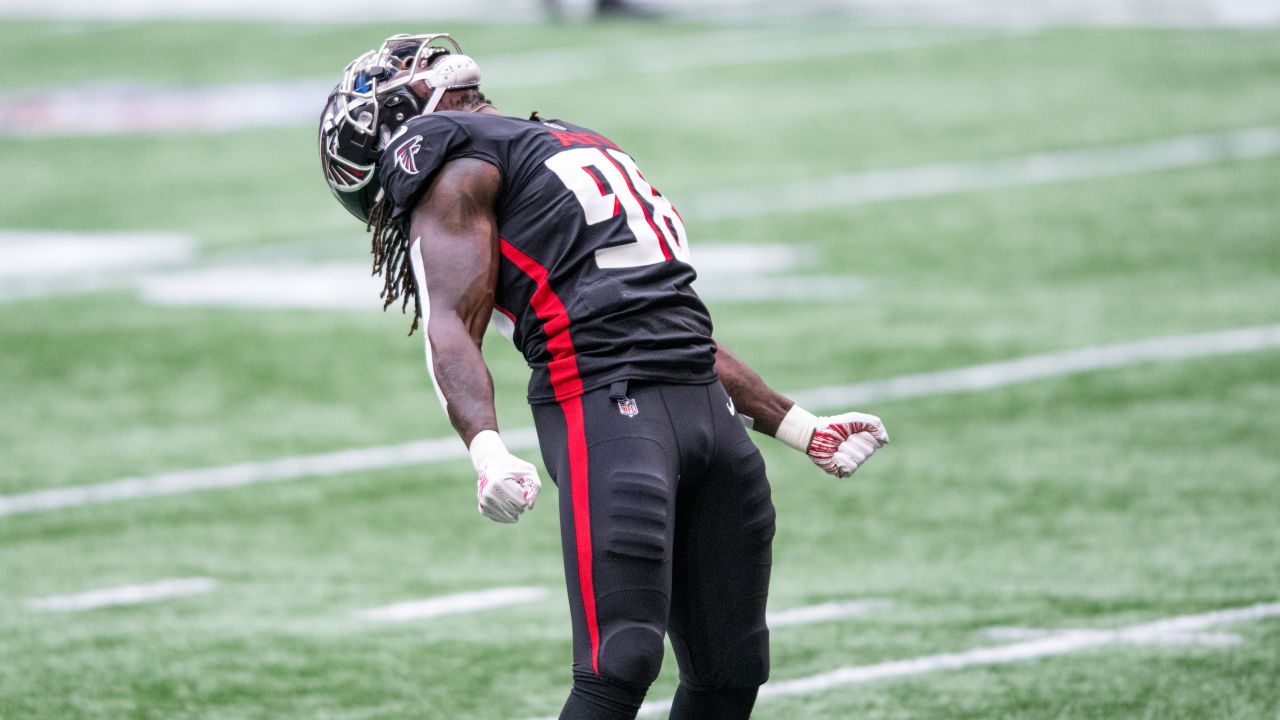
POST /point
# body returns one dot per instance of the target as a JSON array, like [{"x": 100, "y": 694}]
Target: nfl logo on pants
[{"x": 628, "y": 407}]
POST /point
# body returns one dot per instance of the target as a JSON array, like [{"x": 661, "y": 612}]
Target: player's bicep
[{"x": 456, "y": 233}]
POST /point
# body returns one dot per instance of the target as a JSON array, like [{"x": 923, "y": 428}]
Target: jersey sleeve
[{"x": 411, "y": 161}]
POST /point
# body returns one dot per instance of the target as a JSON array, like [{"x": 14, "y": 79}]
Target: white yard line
[
  {"x": 1164, "y": 638},
  {"x": 1058, "y": 644},
  {"x": 978, "y": 377},
  {"x": 717, "y": 50},
  {"x": 742, "y": 273},
  {"x": 987, "y": 376},
  {"x": 38, "y": 263},
  {"x": 252, "y": 473},
  {"x": 125, "y": 595},
  {"x": 837, "y": 610},
  {"x": 79, "y": 260},
  {"x": 108, "y": 109},
  {"x": 502, "y": 597},
  {"x": 1072, "y": 13},
  {"x": 946, "y": 178},
  {"x": 319, "y": 286},
  {"x": 113, "y": 109},
  {"x": 302, "y": 11},
  {"x": 1140, "y": 13},
  {"x": 454, "y": 604},
  {"x": 45, "y": 254}
]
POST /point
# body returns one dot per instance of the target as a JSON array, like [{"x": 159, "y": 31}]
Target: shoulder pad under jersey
[{"x": 412, "y": 159}]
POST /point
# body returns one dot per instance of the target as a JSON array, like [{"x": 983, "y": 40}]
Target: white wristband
[
  {"x": 796, "y": 428},
  {"x": 485, "y": 445}
]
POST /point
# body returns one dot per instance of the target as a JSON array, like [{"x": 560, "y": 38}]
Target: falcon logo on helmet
[
  {"x": 343, "y": 175},
  {"x": 406, "y": 155},
  {"x": 374, "y": 99}
]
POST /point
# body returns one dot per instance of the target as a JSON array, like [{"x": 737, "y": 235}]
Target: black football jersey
[{"x": 594, "y": 274}]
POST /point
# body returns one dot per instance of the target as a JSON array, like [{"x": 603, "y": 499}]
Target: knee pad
[
  {"x": 748, "y": 665},
  {"x": 722, "y": 704},
  {"x": 631, "y": 655},
  {"x": 743, "y": 663}
]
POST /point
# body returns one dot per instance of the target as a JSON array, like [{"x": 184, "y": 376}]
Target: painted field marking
[
  {"x": 947, "y": 178},
  {"x": 320, "y": 286},
  {"x": 824, "y": 612},
  {"x": 124, "y": 595},
  {"x": 1057, "y": 644},
  {"x": 1200, "y": 14},
  {"x": 299, "y": 11},
  {"x": 718, "y": 50},
  {"x": 1168, "y": 638},
  {"x": 985, "y": 376},
  {"x": 26, "y": 257},
  {"x": 44, "y": 254},
  {"x": 744, "y": 273},
  {"x": 454, "y": 604},
  {"x": 467, "y": 602},
  {"x": 113, "y": 109},
  {"x": 38, "y": 263},
  {"x": 252, "y": 473}
]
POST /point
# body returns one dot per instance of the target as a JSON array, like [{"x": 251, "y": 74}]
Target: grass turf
[{"x": 1094, "y": 501}]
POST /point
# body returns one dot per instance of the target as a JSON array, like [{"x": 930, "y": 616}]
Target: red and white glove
[
  {"x": 839, "y": 444},
  {"x": 507, "y": 485}
]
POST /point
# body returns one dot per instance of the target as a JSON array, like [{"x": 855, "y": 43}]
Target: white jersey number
[{"x": 659, "y": 233}]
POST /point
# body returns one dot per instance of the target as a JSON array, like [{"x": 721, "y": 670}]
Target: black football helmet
[{"x": 373, "y": 100}]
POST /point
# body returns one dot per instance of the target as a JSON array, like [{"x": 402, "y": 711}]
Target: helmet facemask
[
  {"x": 374, "y": 99},
  {"x": 374, "y": 83}
]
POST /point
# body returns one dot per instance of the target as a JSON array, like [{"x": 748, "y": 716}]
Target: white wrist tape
[
  {"x": 796, "y": 428},
  {"x": 485, "y": 445}
]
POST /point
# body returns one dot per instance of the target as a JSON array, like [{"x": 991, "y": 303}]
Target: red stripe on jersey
[
  {"x": 568, "y": 389},
  {"x": 565, "y": 380},
  {"x": 510, "y": 315},
  {"x": 648, "y": 216}
]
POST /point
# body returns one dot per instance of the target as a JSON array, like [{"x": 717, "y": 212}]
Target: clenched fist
[
  {"x": 506, "y": 486},
  {"x": 839, "y": 444}
]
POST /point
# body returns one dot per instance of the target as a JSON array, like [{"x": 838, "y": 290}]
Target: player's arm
[
  {"x": 456, "y": 234},
  {"x": 838, "y": 444}
]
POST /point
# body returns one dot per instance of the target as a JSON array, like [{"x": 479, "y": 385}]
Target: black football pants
[{"x": 667, "y": 524}]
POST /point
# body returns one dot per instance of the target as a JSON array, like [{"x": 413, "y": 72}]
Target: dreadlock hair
[
  {"x": 390, "y": 244},
  {"x": 390, "y": 248}
]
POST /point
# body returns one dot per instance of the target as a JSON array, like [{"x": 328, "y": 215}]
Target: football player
[{"x": 549, "y": 230}]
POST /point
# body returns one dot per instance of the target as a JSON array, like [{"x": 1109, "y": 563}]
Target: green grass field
[{"x": 1091, "y": 501}]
